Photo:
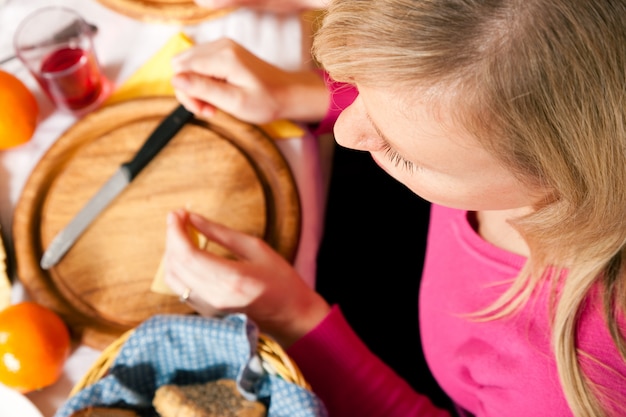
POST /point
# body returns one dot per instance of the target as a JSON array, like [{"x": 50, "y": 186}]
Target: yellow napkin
[{"x": 153, "y": 79}]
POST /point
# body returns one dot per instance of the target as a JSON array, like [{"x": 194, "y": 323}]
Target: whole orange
[
  {"x": 34, "y": 345},
  {"x": 20, "y": 111}
]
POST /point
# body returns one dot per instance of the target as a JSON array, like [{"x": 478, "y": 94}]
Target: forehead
[{"x": 432, "y": 111}]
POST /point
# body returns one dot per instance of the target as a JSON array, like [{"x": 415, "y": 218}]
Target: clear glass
[{"x": 56, "y": 45}]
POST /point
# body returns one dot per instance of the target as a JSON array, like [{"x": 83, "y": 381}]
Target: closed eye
[
  {"x": 396, "y": 159},
  {"x": 390, "y": 153}
]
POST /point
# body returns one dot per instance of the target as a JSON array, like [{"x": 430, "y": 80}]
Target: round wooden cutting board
[
  {"x": 164, "y": 11},
  {"x": 226, "y": 170}
]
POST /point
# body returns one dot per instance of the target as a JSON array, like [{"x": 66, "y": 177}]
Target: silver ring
[{"x": 184, "y": 297}]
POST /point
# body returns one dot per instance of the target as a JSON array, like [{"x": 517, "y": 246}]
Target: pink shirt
[{"x": 496, "y": 368}]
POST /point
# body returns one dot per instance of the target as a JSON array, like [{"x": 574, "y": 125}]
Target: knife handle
[{"x": 157, "y": 140}]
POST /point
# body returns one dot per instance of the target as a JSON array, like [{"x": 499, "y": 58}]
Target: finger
[
  {"x": 173, "y": 280},
  {"x": 209, "y": 278},
  {"x": 242, "y": 245},
  {"x": 178, "y": 240},
  {"x": 218, "y": 59},
  {"x": 188, "y": 102},
  {"x": 209, "y": 275},
  {"x": 176, "y": 284},
  {"x": 222, "y": 60},
  {"x": 192, "y": 296},
  {"x": 217, "y": 275},
  {"x": 197, "y": 107},
  {"x": 210, "y": 93},
  {"x": 184, "y": 257},
  {"x": 194, "y": 300},
  {"x": 182, "y": 276}
]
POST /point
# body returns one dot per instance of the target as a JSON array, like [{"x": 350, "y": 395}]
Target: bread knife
[{"x": 123, "y": 176}]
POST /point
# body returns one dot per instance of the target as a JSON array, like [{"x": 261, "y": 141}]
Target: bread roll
[{"x": 212, "y": 399}]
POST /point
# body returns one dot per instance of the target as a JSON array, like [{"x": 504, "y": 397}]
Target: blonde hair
[{"x": 542, "y": 84}]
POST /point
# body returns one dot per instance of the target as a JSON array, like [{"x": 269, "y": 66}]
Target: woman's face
[{"x": 427, "y": 153}]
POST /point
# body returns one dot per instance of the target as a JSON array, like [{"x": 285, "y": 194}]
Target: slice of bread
[
  {"x": 93, "y": 411},
  {"x": 212, "y": 399}
]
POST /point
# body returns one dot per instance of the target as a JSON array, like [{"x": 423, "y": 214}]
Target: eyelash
[{"x": 396, "y": 159}]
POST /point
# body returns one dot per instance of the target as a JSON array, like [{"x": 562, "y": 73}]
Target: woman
[{"x": 509, "y": 117}]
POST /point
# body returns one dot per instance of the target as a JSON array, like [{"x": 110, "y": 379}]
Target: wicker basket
[{"x": 273, "y": 357}]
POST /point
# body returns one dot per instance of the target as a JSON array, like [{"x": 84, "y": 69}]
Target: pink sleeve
[
  {"x": 341, "y": 96},
  {"x": 350, "y": 379}
]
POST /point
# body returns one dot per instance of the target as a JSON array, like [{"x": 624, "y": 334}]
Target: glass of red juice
[{"x": 56, "y": 45}]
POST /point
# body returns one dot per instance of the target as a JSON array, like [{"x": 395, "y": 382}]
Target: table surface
[{"x": 123, "y": 44}]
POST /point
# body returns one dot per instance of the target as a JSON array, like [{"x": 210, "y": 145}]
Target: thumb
[
  {"x": 177, "y": 236},
  {"x": 240, "y": 244}
]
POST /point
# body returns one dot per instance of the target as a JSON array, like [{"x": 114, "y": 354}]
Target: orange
[
  {"x": 34, "y": 345},
  {"x": 18, "y": 118}
]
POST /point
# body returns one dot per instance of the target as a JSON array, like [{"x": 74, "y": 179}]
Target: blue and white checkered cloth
[{"x": 185, "y": 349}]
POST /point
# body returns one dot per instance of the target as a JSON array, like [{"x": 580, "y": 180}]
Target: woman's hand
[
  {"x": 224, "y": 75},
  {"x": 276, "y": 6},
  {"x": 258, "y": 282}
]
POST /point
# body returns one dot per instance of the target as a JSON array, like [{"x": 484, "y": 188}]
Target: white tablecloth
[{"x": 123, "y": 45}]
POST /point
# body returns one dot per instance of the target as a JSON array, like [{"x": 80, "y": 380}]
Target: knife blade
[{"x": 123, "y": 176}]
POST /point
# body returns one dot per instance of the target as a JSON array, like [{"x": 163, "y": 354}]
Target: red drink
[{"x": 71, "y": 77}]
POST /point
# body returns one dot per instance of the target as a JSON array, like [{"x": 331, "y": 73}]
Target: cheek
[{"x": 482, "y": 190}]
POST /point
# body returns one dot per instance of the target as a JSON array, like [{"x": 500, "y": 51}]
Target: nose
[{"x": 354, "y": 130}]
